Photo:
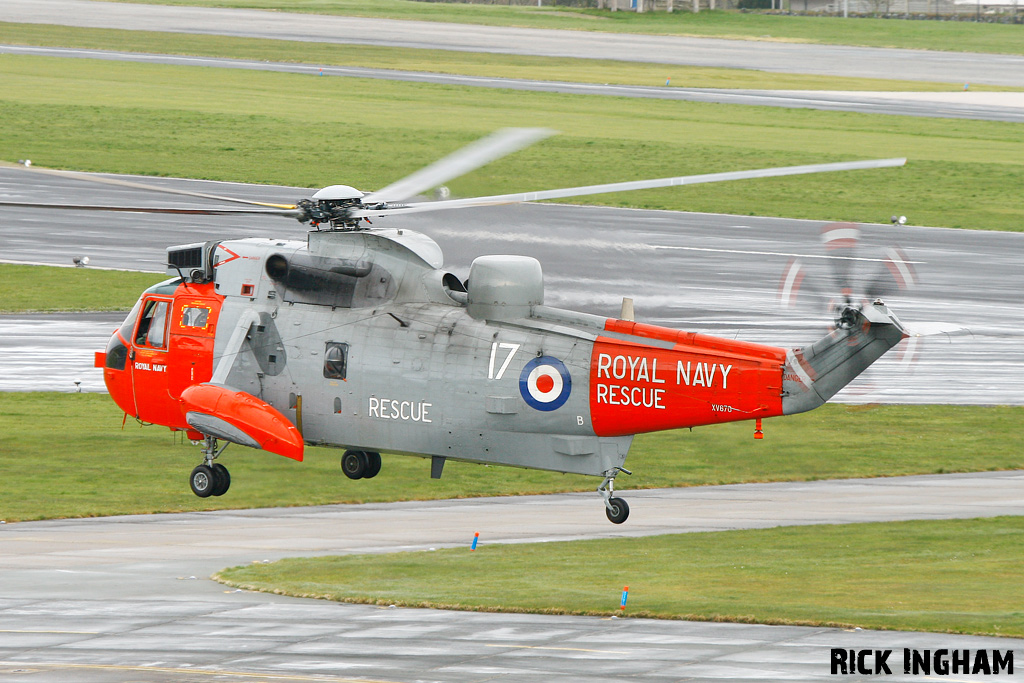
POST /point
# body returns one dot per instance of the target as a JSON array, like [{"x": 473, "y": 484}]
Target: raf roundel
[{"x": 545, "y": 383}]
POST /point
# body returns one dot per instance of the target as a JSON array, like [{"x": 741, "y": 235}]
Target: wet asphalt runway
[
  {"x": 701, "y": 272},
  {"x": 126, "y": 599},
  {"x": 923, "y": 65}
]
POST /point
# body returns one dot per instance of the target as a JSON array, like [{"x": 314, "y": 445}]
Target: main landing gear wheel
[
  {"x": 617, "y": 510},
  {"x": 372, "y": 465},
  {"x": 203, "y": 481},
  {"x": 360, "y": 464},
  {"x": 354, "y": 464}
]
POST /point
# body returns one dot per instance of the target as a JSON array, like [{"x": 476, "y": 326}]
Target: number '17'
[{"x": 511, "y": 348}]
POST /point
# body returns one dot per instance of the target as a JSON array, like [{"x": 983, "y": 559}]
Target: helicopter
[{"x": 357, "y": 338}]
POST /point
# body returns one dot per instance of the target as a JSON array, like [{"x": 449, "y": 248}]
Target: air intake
[
  {"x": 186, "y": 258},
  {"x": 192, "y": 261}
]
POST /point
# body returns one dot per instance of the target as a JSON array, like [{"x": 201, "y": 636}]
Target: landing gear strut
[
  {"x": 616, "y": 508},
  {"x": 210, "y": 478},
  {"x": 360, "y": 464}
]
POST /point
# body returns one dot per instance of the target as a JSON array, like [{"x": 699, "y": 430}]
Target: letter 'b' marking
[{"x": 545, "y": 383}]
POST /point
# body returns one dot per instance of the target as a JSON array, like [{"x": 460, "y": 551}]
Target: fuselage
[{"x": 360, "y": 340}]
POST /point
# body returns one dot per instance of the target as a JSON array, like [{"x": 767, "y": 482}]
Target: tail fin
[{"x": 816, "y": 373}]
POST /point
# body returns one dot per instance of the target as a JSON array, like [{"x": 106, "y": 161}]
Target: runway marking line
[
  {"x": 186, "y": 670},
  {"x": 566, "y": 649},
  {"x": 74, "y": 633},
  {"x": 778, "y": 253}
]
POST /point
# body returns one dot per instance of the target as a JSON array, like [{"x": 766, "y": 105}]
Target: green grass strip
[
  {"x": 449, "y": 62},
  {"x": 312, "y": 132},
  {"x": 960, "y": 576},
  {"x": 138, "y": 470},
  {"x": 928, "y": 35},
  {"x": 42, "y": 289}
]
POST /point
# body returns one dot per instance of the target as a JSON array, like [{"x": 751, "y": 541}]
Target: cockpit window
[{"x": 152, "y": 330}]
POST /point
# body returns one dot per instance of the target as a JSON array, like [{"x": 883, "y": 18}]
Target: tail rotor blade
[
  {"x": 896, "y": 274},
  {"x": 840, "y": 241},
  {"x": 790, "y": 283},
  {"x": 901, "y": 269}
]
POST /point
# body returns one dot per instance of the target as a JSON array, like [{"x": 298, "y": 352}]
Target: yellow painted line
[
  {"x": 185, "y": 670},
  {"x": 566, "y": 649}
]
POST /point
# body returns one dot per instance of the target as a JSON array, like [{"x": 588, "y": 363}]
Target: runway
[
  {"x": 918, "y": 65},
  {"x": 701, "y": 272},
  {"x": 127, "y": 599},
  {"x": 984, "y": 106}
]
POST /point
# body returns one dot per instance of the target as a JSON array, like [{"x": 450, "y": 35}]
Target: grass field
[
  {"x": 66, "y": 455},
  {"x": 448, "y": 62},
  {"x": 46, "y": 290},
  {"x": 312, "y": 132},
  {"x": 958, "y": 576},
  {"x": 929, "y": 35}
]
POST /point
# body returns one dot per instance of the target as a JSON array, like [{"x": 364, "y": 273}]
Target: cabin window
[
  {"x": 152, "y": 331},
  {"x": 195, "y": 316},
  {"x": 336, "y": 360}
]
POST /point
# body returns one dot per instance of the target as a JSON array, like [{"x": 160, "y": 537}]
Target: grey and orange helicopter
[{"x": 358, "y": 338}]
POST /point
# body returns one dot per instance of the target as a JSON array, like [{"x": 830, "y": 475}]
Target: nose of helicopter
[{"x": 117, "y": 373}]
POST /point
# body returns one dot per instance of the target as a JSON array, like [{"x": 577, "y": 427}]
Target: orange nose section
[{"x": 117, "y": 374}]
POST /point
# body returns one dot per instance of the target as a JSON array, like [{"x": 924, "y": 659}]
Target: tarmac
[{"x": 126, "y": 599}]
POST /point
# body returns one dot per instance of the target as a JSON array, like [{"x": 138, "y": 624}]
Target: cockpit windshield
[{"x": 128, "y": 326}]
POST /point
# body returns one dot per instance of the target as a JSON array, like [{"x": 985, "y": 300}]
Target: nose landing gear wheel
[
  {"x": 210, "y": 478},
  {"x": 617, "y": 510},
  {"x": 203, "y": 481}
]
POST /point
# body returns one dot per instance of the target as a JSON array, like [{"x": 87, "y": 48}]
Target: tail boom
[{"x": 814, "y": 374}]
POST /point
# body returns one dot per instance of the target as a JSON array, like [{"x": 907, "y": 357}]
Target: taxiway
[
  {"x": 124, "y": 599},
  {"x": 835, "y": 60}
]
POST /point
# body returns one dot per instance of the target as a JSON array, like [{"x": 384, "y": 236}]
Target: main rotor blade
[
  {"x": 482, "y": 152},
  {"x": 630, "y": 185},
  {"x": 291, "y": 213},
  {"x": 77, "y": 175}
]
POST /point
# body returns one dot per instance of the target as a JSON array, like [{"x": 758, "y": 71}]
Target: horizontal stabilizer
[
  {"x": 238, "y": 417},
  {"x": 936, "y": 329}
]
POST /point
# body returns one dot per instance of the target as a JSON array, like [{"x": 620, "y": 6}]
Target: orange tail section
[
  {"x": 241, "y": 418},
  {"x": 646, "y": 378}
]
